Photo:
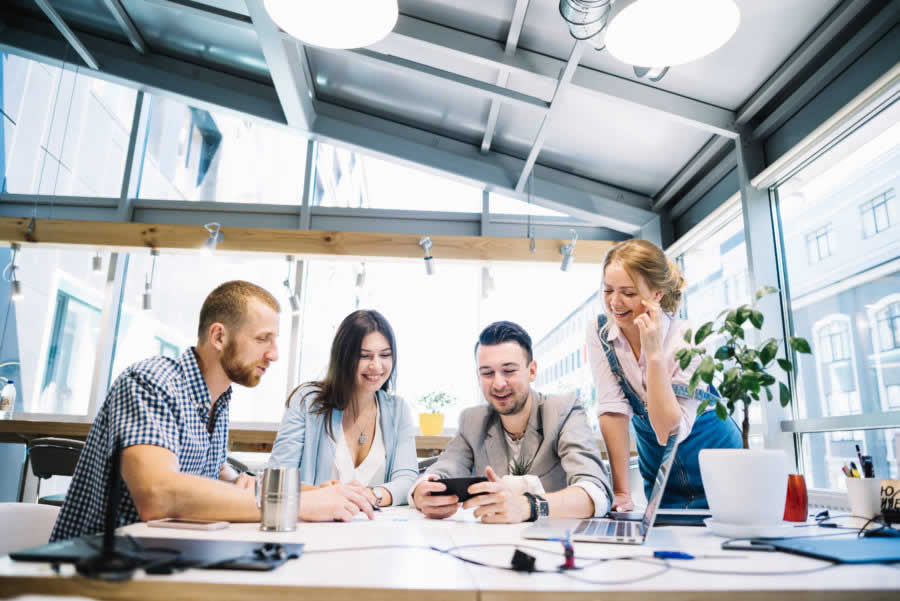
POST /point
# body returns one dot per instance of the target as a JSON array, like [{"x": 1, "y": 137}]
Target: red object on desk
[{"x": 796, "y": 506}]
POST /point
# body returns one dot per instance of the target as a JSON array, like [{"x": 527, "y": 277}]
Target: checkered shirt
[{"x": 158, "y": 401}]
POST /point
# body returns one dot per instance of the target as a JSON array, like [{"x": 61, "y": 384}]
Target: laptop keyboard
[{"x": 604, "y": 528}]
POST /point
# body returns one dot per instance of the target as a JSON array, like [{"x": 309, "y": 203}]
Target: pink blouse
[{"x": 610, "y": 398}]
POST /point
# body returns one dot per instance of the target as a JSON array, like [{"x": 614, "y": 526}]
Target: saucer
[{"x": 776, "y": 530}]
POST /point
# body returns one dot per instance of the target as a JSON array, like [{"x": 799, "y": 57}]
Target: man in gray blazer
[{"x": 537, "y": 451}]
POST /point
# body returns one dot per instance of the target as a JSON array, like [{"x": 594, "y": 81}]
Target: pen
[
  {"x": 846, "y": 471},
  {"x": 859, "y": 454},
  {"x": 868, "y": 467},
  {"x": 853, "y": 470}
]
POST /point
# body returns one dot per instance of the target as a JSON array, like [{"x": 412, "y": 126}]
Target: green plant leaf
[
  {"x": 720, "y": 366},
  {"x": 702, "y": 407},
  {"x": 750, "y": 382},
  {"x": 743, "y": 313},
  {"x": 766, "y": 379},
  {"x": 768, "y": 351},
  {"x": 704, "y": 331},
  {"x": 687, "y": 336},
  {"x": 756, "y": 318},
  {"x": 785, "y": 394},
  {"x": 732, "y": 375},
  {"x": 800, "y": 345},
  {"x": 764, "y": 291},
  {"x": 724, "y": 352},
  {"x": 721, "y": 411},
  {"x": 731, "y": 318},
  {"x": 706, "y": 369},
  {"x": 785, "y": 365},
  {"x": 695, "y": 380},
  {"x": 769, "y": 394},
  {"x": 685, "y": 361}
]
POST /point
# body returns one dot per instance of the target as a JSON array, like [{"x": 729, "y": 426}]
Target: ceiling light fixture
[
  {"x": 147, "y": 299},
  {"x": 9, "y": 274},
  {"x": 97, "y": 263},
  {"x": 293, "y": 297},
  {"x": 426, "y": 245},
  {"x": 661, "y": 33},
  {"x": 215, "y": 236},
  {"x": 568, "y": 252},
  {"x": 586, "y": 19},
  {"x": 345, "y": 24}
]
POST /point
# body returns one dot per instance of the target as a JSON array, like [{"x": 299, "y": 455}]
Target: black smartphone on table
[{"x": 459, "y": 486}]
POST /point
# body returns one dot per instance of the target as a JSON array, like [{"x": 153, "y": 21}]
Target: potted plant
[
  {"x": 431, "y": 420},
  {"x": 739, "y": 370}
]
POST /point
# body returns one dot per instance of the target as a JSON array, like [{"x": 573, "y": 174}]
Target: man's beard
[
  {"x": 518, "y": 406},
  {"x": 240, "y": 373}
]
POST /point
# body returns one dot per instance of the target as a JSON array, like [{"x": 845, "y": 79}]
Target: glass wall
[
  {"x": 344, "y": 178},
  {"x": 49, "y": 337},
  {"x": 838, "y": 218},
  {"x": 63, "y": 132},
  {"x": 194, "y": 154}
]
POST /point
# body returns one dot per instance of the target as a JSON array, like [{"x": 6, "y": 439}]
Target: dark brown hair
[
  {"x": 227, "y": 304},
  {"x": 336, "y": 390}
]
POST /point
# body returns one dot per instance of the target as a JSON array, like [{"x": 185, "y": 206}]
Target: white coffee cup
[
  {"x": 745, "y": 486},
  {"x": 865, "y": 496}
]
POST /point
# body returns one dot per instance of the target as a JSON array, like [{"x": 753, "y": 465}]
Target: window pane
[
  {"x": 49, "y": 338},
  {"x": 180, "y": 285},
  {"x": 194, "y": 154},
  {"x": 63, "y": 133},
  {"x": 842, "y": 307},
  {"x": 825, "y": 452},
  {"x": 348, "y": 179}
]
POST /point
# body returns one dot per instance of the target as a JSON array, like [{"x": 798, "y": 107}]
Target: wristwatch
[
  {"x": 379, "y": 496},
  {"x": 540, "y": 507}
]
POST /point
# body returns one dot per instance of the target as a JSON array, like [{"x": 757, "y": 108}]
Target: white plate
[{"x": 776, "y": 530}]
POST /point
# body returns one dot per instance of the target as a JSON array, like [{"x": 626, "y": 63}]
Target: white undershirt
[{"x": 371, "y": 471}]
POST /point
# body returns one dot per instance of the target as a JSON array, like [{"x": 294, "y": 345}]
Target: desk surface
[{"x": 405, "y": 573}]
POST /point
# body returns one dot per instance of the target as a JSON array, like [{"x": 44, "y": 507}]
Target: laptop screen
[{"x": 659, "y": 485}]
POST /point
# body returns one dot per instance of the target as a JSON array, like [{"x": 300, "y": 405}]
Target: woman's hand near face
[{"x": 649, "y": 326}]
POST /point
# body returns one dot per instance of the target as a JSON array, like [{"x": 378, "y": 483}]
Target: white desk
[{"x": 420, "y": 573}]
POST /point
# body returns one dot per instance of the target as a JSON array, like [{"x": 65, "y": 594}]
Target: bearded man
[
  {"x": 169, "y": 417},
  {"x": 537, "y": 451}
]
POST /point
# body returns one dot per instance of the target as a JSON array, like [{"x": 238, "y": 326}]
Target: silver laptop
[{"x": 606, "y": 530}]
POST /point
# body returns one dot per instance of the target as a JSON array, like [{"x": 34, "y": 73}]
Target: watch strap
[{"x": 533, "y": 505}]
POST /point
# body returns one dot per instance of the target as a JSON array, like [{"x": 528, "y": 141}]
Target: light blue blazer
[{"x": 303, "y": 442}]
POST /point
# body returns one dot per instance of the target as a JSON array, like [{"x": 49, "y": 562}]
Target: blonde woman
[{"x": 631, "y": 351}]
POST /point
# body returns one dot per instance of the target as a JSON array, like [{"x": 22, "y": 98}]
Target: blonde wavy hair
[{"x": 645, "y": 259}]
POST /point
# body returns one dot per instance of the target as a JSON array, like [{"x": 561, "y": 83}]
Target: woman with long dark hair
[{"x": 350, "y": 427}]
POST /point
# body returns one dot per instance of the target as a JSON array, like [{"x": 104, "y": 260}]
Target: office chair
[{"x": 53, "y": 457}]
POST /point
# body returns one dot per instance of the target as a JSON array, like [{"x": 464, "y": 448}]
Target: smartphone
[
  {"x": 187, "y": 524},
  {"x": 459, "y": 486}
]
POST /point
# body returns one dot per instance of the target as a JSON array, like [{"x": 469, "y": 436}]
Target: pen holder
[{"x": 865, "y": 496}]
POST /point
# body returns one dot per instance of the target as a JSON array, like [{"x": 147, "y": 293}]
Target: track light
[
  {"x": 426, "y": 245},
  {"x": 147, "y": 301},
  {"x": 293, "y": 297},
  {"x": 651, "y": 73},
  {"x": 215, "y": 236},
  {"x": 9, "y": 274},
  {"x": 568, "y": 252},
  {"x": 97, "y": 263},
  {"x": 361, "y": 276},
  {"x": 586, "y": 19}
]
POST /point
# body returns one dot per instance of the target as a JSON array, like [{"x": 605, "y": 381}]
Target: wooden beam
[{"x": 118, "y": 236}]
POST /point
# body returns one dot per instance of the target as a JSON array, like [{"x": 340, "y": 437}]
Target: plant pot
[
  {"x": 745, "y": 486},
  {"x": 431, "y": 424}
]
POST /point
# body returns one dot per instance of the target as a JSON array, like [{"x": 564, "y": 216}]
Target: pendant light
[{"x": 344, "y": 24}]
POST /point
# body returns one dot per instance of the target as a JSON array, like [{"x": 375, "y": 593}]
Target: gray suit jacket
[{"x": 557, "y": 436}]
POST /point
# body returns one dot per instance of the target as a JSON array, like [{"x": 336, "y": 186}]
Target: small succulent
[{"x": 434, "y": 402}]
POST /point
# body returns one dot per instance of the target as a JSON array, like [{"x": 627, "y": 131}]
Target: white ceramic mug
[
  {"x": 865, "y": 496},
  {"x": 745, "y": 486}
]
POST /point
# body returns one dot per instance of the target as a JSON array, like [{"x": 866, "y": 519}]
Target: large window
[
  {"x": 849, "y": 312},
  {"x": 819, "y": 244},
  {"x": 63, "y": 132},
  {"x": 195, "y": 154}
]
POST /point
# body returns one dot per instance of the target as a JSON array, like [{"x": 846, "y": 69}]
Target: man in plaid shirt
[{"x": 170, "y": 417}]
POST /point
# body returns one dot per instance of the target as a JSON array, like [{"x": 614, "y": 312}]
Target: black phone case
[{"x": 459, "y": 486}]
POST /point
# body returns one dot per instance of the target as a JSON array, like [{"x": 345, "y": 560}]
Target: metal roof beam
[
  {"x": 67, "y": 33},
  {"x": 286, "y": 61},
  {"x": 495, "y": 92},
  {"x": 512, "y": 40},
  {"x": 709, "y": 180},
  {"x": 564, "y": 78},
  {"x": 412, "y": 38},
  {"x": 127, "y": 25},
  {"x": 598, "y": 204},
  {"x": 715, "y": 146}
]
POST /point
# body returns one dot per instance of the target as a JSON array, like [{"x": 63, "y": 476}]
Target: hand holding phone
[{"x": 459, "y": 486}]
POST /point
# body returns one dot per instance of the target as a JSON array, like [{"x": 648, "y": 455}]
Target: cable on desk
[{"x": 665, "y": 568}]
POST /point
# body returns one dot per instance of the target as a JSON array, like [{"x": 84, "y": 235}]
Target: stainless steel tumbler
[{"x": 278, "y": 496}]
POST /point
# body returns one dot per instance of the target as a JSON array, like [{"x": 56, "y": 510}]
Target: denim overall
[{"x": 685, "y": 487}]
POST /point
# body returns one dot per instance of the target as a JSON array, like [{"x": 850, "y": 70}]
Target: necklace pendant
[{"x": 362, "y": 439}]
